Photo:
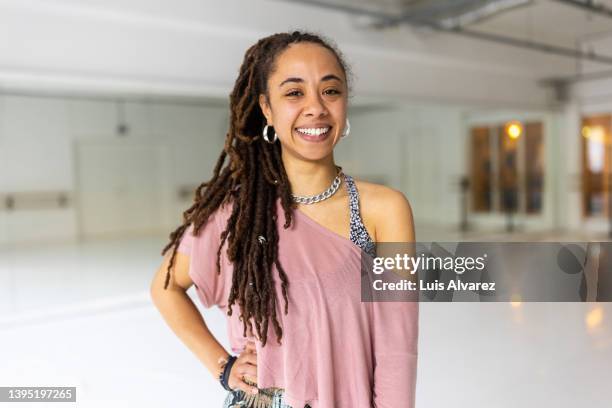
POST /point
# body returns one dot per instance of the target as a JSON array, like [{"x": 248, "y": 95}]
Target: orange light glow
[
  {"x": 514, "y": 129},
  {"x": 594, "y": 133},
  {"x": 594, "y": 318}
]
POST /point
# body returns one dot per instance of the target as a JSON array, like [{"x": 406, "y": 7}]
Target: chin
[{"x": 313, "y": 155}]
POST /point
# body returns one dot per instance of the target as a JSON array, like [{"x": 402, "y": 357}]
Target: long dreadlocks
[{"x": 256, "y": 167}]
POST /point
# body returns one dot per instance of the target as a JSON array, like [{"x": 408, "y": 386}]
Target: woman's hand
[{"x": 245, "y": 367}]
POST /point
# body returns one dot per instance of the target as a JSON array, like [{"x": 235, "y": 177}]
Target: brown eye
[
  {"x": 293, "y": 93},
  {"x": 332, "y": 92}
]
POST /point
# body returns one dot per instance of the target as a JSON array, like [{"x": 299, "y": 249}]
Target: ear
[{"x": 265, "y": 107}]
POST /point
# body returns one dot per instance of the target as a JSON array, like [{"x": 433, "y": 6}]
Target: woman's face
[{"x": 308, "y": 100}]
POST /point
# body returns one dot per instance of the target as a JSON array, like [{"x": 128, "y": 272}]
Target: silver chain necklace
[{"x": 331, "y": 190}]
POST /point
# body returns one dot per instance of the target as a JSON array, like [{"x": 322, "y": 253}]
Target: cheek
[
  {"x": 288, "y": 118},
  {"x": 338, "y": 109}
]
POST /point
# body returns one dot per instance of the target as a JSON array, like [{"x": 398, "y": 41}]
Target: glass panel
[
  {"x": 508, "y": 172},
  {"x": 595, "y": 134},
  {"x": 481, "y": 170},
  {"x": 534, "y": 167}
]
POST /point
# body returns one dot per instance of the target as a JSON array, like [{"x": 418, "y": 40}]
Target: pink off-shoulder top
[{"x": 336, "y": 352}]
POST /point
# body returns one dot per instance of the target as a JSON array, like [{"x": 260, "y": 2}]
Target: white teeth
[{"x": 313, "y": 131}]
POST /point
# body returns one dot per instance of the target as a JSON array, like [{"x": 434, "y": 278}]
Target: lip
[
  {"x": 313, "y": 138},
  {"x": 314, "y": 125}
]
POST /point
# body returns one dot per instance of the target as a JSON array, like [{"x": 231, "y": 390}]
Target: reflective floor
[{"x": 81, "y": 315}]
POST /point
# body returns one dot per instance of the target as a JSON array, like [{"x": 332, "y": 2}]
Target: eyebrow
[{"x": 328, "y": 77}]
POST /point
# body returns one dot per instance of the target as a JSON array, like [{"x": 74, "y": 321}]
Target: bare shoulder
[{"x": 387, "y": 211}]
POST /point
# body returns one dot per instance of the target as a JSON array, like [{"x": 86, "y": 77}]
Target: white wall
[
  {"x": 39, "y": 139},
  {"x": 416, "y": 149}
]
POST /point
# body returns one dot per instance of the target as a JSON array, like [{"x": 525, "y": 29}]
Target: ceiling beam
[
  {"x": 592, "y": 76},
  {"x": 385, "y": 20},
  {"x": 588, "y": 5}
]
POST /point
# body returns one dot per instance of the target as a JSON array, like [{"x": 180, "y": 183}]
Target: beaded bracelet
[{"x": 226, "y": 367}]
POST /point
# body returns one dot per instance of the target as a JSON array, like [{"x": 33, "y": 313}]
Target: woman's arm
[
  {"x": 396, "y": 324},
  {"x": 181, "y": 314}
]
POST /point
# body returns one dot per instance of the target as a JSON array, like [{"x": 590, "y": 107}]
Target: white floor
[{"x": 80, "y": 315}]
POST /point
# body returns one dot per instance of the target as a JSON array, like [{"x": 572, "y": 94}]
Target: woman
[{"x": 279, "y": 233}]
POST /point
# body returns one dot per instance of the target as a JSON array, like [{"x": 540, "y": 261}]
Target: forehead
[{"x": 302, "y": 59}]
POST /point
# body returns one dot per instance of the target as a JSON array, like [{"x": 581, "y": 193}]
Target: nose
[{"x": 315, "y": 106}]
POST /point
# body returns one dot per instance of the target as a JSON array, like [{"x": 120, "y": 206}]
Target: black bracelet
[{"x": 224, "y": 375}]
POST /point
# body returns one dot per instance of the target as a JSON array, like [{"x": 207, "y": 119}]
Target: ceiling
[
  {"x": 579, "y": 29},
  {"x": 192, "y": 47}
]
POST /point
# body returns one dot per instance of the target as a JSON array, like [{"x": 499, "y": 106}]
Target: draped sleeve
[{"x": 202, "y": 252}]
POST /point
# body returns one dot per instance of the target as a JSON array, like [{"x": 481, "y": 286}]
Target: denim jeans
[{"x": 266, "y": 398}]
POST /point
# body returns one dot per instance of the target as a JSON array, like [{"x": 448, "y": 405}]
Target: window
[{"x": 507, "y": 167}]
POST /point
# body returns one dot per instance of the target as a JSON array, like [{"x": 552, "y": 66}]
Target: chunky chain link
[{"x": 321, "y": 196}]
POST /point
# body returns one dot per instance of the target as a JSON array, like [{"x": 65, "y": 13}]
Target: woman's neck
[{"x": 310, "y": 178}]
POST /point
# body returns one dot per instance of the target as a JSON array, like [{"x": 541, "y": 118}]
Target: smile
[{"x": 314, "y": 134}]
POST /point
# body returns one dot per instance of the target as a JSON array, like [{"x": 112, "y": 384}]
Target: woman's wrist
[
  {"x": 221, "y": 365},
  {"x": 225, "y": 367}
]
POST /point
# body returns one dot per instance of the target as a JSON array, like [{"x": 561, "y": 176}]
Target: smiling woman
[{"x": 288, "y": 112}]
